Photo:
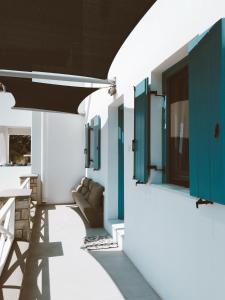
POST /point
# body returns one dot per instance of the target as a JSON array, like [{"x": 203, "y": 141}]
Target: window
[
  {"x": 177, "y": 125},
  {"x": 193, "y": 118},
  {"x": 93, "y": 143},
  {"x": 19, "y": 149}
]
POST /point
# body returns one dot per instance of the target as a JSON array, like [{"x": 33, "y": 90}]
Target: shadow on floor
[
  {"x": 118, "y": 266},
  {"x": 12, "y": 276},
  {"x": 89, "y": 230},
  {"x": 36, "y": 281},
  {"x": 55, "y": 267},
  {"x": 125, "y": 275},
  {"x": 26, "y": 273}
]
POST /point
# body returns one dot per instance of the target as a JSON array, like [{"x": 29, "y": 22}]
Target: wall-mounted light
[
  {"x": 112, "y": 90},
  {"x": 2, "y": 87}
]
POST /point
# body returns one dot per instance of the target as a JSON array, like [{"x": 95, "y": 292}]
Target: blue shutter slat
[
  {"x": 207, "y": 109},
  {"x": 141, "y": 132},
  {"x": 218, "y": 113}
]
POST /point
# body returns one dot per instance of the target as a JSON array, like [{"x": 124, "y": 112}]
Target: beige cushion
[
  {"x": 84, "y": 190},
  {"x": 76, "y": 195},
  {"x": 89, "y": 198},
  {"x": 85, "y": 181},
  {"x": 82, "y": 203},
  {"x": 86, "y": 196},
  {"x": 91, "y": 184},
  {"x": 96, "y": 195},
  {"x": 78, "y": 189}
]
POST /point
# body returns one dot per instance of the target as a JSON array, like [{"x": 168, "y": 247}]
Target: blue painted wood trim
[
  {"x": 96, "y": 126},
  {"x": 207, "y": 109},
  {"x": 141, "y": 131},
  {"x": 87, "y": 146},
  {"x": 121, "y": 162}
]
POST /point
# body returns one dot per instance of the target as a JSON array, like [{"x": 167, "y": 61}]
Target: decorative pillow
[
  {"x": 85, "y": 181},
  {"x": 79, "y": 188},
  {"x": 91, "y": 184},
  {"x": 86, "y": 196},
  {"x": 84, "y": 190}
]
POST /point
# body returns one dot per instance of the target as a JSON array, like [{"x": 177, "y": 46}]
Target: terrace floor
[{"x": 55, "y": 267}]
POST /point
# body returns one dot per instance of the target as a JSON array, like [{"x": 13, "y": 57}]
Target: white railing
[
  {"x": 25, "y": 184},
  {"x": 7, "y": 229}
]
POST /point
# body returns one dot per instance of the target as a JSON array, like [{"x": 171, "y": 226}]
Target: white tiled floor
[{"x": 57, "y": 268}]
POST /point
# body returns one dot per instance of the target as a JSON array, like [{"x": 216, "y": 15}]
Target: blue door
[{"x": 121, "y": 162}]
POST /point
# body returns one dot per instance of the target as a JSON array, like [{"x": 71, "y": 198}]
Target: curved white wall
[{"x": 179, "y": 250}]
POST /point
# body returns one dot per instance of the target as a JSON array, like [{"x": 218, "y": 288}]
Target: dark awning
[
  {"x": 32, "y": 95},
  {"x": 79, "y": 37}
]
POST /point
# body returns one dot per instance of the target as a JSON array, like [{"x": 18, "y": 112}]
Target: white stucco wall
[
  {"x": 180, "y": 250},
  {"x": 9, "y": 176},
  {"x": 58, "y": 157},
  {"x": 10, "y": 121},
  {"x": 4, "y": 145},
  {"x": 102, "y": 104},
  {"x": 13, "y": 117}
]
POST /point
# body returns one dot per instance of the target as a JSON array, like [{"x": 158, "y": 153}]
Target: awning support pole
[{"x": 54, "y": 76}]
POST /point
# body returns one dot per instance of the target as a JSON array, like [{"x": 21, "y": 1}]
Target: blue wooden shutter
[
  {"x": 207, "y": 115},
  {"x": 141, "y": 132},
  {"x": 97, "y": 142},
  {"x": 87, "y": 146}
]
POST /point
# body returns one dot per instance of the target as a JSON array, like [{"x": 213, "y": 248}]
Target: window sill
[
  {"x": 12, "y": 166},
  {"x": 172, "y": 188}
]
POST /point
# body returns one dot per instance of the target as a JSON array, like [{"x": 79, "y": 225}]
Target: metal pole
[{"x": 54, "y": 76}]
